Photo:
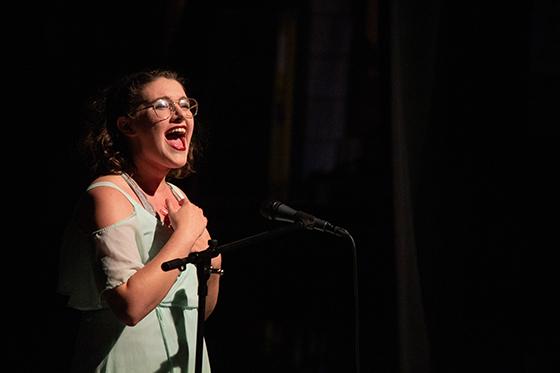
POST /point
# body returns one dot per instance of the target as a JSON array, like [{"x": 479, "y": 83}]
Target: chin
[{"x": 180, "y": 164}]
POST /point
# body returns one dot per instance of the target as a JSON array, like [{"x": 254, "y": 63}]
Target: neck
[{"x": 150, "y": 183}]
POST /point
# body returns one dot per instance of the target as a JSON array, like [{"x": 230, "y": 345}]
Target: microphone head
[
  {"x": 268, "y": 209},
  {"x": 276, "y": 210}
]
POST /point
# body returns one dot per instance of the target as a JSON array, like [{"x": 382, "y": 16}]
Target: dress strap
[
  {"x": 111, "y": 185},
  {"x": 139, "y": 193},
  {"x": 178, "y": 193}
]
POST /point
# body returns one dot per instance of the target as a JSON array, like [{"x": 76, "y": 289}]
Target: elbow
[
  {"x": 127, "y": 317},
  {"x": 133, "y": 314},
  {"x": 130, "y": 320},
  {"x": 125, "y": 312}
]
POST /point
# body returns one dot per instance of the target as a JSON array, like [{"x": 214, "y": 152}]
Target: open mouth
[{"x": 176, "y": 138}]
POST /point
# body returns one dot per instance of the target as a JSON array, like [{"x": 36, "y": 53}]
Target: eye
[
  {"x": 184, "y": 103},
  {"x": 161, "y": 104}
]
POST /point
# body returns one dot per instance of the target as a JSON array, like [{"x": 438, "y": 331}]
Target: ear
[{"x": 124, "y": 125}]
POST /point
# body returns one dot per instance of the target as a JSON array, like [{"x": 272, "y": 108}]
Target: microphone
[{"x": 276, "y": 210}]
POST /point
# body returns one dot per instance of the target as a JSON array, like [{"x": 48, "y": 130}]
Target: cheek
[{"x": 190, "y": 132}]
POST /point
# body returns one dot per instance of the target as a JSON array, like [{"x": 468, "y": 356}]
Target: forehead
[{"x": 163, "y": 87}]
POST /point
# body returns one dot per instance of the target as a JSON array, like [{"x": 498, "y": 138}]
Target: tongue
[{"x": 176, "y": 144}]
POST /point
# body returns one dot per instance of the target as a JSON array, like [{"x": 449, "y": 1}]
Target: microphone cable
[{"x": 356, "y": 302}]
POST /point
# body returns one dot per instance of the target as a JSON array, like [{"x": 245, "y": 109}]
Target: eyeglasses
[{"x": 163, "y": 107}]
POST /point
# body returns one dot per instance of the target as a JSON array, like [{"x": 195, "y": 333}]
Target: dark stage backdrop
[
  {"x": 289, "y": 110},
  {"x": 426, "y": 130}
]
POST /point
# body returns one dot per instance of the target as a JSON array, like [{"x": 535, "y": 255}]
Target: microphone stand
[{"x": 202, "y": 260}]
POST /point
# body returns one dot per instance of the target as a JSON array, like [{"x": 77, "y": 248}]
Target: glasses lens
[
  {"x": 188, "y": 106},
  {"x": 162, "y": 108},
  {"x": 193, "y": 106}
]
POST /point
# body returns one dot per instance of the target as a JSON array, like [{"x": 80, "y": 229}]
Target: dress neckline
[
  {"x": 142, "y": 195},
  {"x": 139, "y": 193}
]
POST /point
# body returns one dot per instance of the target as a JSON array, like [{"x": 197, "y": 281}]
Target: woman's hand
[{"x": 188, "y": 217}]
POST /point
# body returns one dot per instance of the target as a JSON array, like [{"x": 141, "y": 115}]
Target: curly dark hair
[{"x": 104, "y": 146}]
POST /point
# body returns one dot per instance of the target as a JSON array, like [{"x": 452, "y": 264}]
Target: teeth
[{"x": 177, "y": 131}]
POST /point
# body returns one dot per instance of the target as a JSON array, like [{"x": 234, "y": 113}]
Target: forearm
[
  {"x": 213, "y": 287},
  {"x": 144, "y": 290}
]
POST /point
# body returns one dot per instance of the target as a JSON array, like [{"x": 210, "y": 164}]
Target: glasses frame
[{"x": 173, "y": 107}]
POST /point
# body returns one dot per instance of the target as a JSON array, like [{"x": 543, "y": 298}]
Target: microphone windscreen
[
  {"x": 276, "y": 210},
  {"x": 268, "y": 208}
]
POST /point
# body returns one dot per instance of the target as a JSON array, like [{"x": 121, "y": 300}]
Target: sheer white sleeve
[
  {"x": 94, "y": 262},
  {"x": 117, "y": 251}
]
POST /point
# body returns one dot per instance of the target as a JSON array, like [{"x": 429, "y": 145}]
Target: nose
[{"x": 177, "y": 110}]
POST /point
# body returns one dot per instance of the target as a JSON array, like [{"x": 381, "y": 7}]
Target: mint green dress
[{"x": 165, "y": 340}]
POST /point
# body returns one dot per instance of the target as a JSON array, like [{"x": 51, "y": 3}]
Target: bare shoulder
[
  {"x": 109, "y": 205},
  {"x": 115, "y": 179}
]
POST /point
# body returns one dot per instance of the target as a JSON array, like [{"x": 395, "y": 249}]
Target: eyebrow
[{"x": 167, "y": 98}]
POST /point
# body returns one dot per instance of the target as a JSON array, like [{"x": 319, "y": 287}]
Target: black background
[{"x": 482, "y": 163}]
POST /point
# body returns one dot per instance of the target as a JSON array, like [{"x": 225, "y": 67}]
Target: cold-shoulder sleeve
[
  {"x": 94, "y": 262},
  {"x": 117, "y": 249}
]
